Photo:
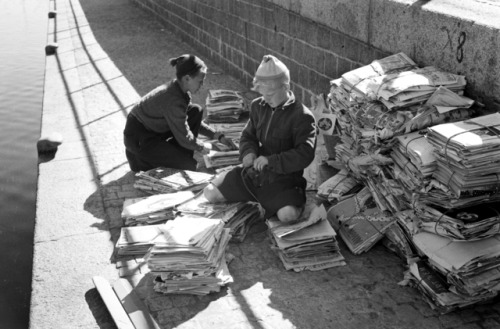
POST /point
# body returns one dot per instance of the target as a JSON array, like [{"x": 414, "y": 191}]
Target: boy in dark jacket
[{"x": 276, "y": 145}]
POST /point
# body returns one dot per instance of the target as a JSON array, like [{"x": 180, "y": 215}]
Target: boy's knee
[
  {"x": 212, "y": 194},
  {"x": 289, "y": 213}
]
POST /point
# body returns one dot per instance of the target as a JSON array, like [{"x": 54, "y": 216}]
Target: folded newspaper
[
  {"x": 190, "y": 257},
  {"x": 308, "y": 245},
  {"x": 168, "y": 180},
  {"x": 362, "y": 231},
  {"x": 224, "y": 106}
]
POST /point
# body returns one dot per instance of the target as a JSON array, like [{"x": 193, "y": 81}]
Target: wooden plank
[
  {"x": 113, "y": 304},
  {"x": 133, "y": 305}
]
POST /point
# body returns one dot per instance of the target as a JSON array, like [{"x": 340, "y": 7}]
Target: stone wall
[{"x": 319, "y": 40}]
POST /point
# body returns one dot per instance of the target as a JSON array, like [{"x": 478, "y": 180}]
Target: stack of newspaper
[
  {"x": 397, "y": 82},
  {"x": 152, "y": 209},
  {"x": 358, "y": 79},
  {"x": 436, "y": 291},
  {"x": 216, "y": 158},
  {"x": 461, "y": 224},
  {"x": 222, "y": 156},
  {"x": 360, "y": 202},
  {"x": 361, "y": 231},
  {"x": 136, "y": 240},
  {"x": 168, "y": 180},
  {"x": 230, "y": 130},
  {"x": 371, "y": 124},
  {"x": 338, "y": 187},
  {"x": 415, "y": 148},
  {"x": 189, "y": 258},
  {"x": 456, "y": 274},
  {"x": 398, "y": 239},
  {"x": 307, "y": 245},
  {"x": 414, "y": 161},
  {"x": 415, "y": 86},
  {"x": 377, "y": 107},
  {"x": 224, "y": 106},
  {"x": 468, "y": 154},
  {"x": 239, "y": 217}
]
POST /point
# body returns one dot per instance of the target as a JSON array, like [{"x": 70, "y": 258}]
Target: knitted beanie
[
  {"x": 187, "y": 65},
  {"x": 271, "y": 71}
]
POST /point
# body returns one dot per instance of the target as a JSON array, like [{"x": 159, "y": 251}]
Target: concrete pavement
[{"x": 111, "y": 52}]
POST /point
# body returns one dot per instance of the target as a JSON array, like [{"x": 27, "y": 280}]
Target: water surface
[{"x": 23, "y": 35}]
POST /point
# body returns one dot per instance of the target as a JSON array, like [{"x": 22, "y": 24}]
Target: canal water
[{"x": 23, "y": 36}]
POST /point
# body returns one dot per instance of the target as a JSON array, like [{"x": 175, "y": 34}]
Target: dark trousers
[{"x": 146, "y": 149}]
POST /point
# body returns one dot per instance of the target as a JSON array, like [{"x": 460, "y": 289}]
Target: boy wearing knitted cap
[{"x": 276, "y": 145}]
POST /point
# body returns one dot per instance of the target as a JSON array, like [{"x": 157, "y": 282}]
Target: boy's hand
[
  {"x": 207, "y": 147},
  {"x": 229, "y": 142},
  {"x": 249, "y": 159},
  {"x": 260, "y": 163}
]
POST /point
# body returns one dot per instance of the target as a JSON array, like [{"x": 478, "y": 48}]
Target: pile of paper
[
  {"x": 224, "y": 106},
  {"x": 338, "y": 187},
  {"x": 391, "y": 97},
  {"x": 413, "y": 150},
  {"x": 136, "y": 240},
  {"x": 360, "y": 202},
  {"x": 356, "y": 80},
  {"x": 414, "y": 86},
  {"x": 247, "y": 214},
  {"x": 462, "y": 224},
  {"x": 468, "y": 154},
  {"x": 469, "y": 272},
  {"x": 397, "y": 82},
  {"x": 168, "y": 180},
  {"x": 230, "y": 130},
  {"x": 436, "y": 290},
  {"x": 414, "y": 164},
  {"x": 306, "y": 245},
  {"x": 190, "y": 256},
  {"x": 370, "y": 125},
  {"x": 216, "y": 159},
  {"x": 382, "y": 110},
  {"x": 237, "y": 216},
  {"x": 153, "y": 209},
  {"x": 361, "y": 231}
]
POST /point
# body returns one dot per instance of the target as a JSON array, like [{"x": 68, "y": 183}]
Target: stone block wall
[{"x": 319, "y": 40}]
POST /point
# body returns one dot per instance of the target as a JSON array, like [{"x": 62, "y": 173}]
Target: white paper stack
[
  {"x": 168, "y": 180},
  {"x": 190, "y": 258},
  {"x": 231, "y": 130},
  {"x": 155, "y": 208},
  {"x": 412, "y": 87},
  {"x": 224, "y": 106},
  {"x": 355, "y": 80},
  {"x": 414, "y": 163},
  {"x": 338, "y": 187},
  {"x": 136, "y": 241},
  {"x": 468, "y": 154},
  {"x": 436, "y": 291},
  {"x": 307, "y": 245},
  {"x": 461, "y": 224},
  {"x": 361, "y": 231},
  {"x": 470, "y": 270},
  {"x": 216, "y": 158},
  {"x": 239, "y": 217}
]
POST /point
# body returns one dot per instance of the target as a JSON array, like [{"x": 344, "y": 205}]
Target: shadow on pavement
[
  {"x": 171, "y": 311},
  {"x": 139, "y": 45},
  {"x": 112, "y": 195},
  {"x": 99, "y": 311}
]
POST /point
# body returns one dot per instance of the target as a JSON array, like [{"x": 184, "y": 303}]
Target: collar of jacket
[
  {"x": 187, "y": 95},
  {"x": 285, "y": 105}
]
